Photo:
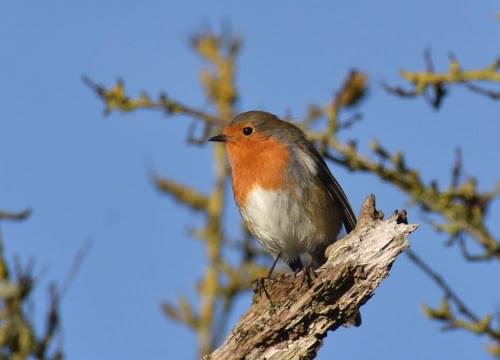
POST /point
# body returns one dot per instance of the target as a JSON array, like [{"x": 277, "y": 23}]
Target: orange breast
[{"x": 257, "y": 162}]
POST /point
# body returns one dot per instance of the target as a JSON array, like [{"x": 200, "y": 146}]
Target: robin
[{"x": 286, "y": 195}]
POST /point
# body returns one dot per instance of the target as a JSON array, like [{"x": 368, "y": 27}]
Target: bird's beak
[{"x": 219, "y": 138}]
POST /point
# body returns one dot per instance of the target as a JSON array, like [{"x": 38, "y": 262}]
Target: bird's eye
[{"x": 247, "y": 131}]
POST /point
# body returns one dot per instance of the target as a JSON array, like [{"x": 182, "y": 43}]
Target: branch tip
[{"x": 369, "y": 212}]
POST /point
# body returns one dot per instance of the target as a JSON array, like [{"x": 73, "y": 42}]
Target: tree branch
[
  {"x": 15, "y": 216},
  {"x": 300, "y": 316}
]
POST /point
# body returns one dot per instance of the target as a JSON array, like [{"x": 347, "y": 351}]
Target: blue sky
[{"x": 86, "y": 176}]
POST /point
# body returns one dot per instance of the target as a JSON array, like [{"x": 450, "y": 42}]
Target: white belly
[{"x": 280, "y": 223}]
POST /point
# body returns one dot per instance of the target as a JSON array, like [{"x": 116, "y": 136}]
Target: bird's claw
[
  {"x": 261, "y": 289},
  {"x": 308, "y": 276}
]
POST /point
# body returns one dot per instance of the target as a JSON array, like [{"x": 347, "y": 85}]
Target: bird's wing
[{"x": 334, "y": 188}]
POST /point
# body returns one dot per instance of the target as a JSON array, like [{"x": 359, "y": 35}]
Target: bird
[{"x": 287, "y": 197}]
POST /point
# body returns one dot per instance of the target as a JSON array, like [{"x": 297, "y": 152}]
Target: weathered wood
[{"x": 294, "y": 326}]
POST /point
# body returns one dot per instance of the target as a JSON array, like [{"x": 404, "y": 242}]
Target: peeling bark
[{"x": 293, "y": 320}]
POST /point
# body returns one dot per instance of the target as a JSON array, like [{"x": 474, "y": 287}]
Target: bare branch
[
  {"x": 75, "y": 268},
  {"x": 449, "y": 293},
  {"x": 443, "y": 313},
  {"x": 457, "y": 169},
  {"x": 495, "y": 95},
  {"x": 15, "y": 216}
]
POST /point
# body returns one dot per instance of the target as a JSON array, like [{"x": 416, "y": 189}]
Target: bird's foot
[
  {"x": 260, "y": 288},
  {"x": 261, "y": 282},
  {"x": 308, "y": 276}
]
